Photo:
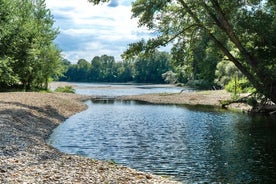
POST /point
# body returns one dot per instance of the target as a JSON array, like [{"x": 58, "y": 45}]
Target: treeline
[
  {"x": 205, "y": 71},
  {"x": 28, "y": 56},
  {"x": 105, "y": 69}
]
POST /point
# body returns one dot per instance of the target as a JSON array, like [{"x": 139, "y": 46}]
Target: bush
[
  {"x": 65, "y": 89},
  {"x": 170, "y": 77},
  {"x": 240, "y": 86},
  {"x": 201, "y": 84}
]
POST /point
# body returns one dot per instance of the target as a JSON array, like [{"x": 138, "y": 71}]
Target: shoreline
[
  {"x": 205, "y": 98},
  {"x": 211, "y": 98},
  {"x": 26, "y": 121},
  {"x": 28, "y": 118}
]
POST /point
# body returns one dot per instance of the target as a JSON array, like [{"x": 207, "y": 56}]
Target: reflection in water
[{"x": 193, "y": 146}]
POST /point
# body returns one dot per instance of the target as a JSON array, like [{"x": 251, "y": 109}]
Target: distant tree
[
  {"x": 108, "y": 68},
  {"x": 198, "y": 64},
  {"x": 149, "y": 69},
  {"x": 170, "y": 77},
  {"x": 125, "y": 71},
  {"x": 225, "y": 71},
  {"x": 105, "y": 69},
  {"x": 83, "y": 69},
  {"x": 96, "y": 70}
]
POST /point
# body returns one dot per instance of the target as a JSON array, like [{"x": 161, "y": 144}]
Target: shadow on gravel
[{"x": 21, "y": 128}]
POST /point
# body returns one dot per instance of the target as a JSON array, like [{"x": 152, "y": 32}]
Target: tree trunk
[{"x": 263, "y": 83}]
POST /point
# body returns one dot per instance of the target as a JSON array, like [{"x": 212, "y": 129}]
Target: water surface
[
  {"x": 111, "y": 90},
  {"x": 191, "y": 145}
]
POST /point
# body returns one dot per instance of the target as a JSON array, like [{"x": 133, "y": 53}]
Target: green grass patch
[{"x": 65, "y": 89}]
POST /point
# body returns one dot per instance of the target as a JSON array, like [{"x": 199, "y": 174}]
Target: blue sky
[{"x": 87, "y": 31}]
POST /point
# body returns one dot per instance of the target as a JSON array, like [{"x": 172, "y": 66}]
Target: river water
[
  {"x": 191, "y": 145},
  {"x": 111, "y": 90}
]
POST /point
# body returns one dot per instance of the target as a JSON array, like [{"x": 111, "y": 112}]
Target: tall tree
[
  {"x": 26, "y": 35},
  {"x": 7, "y": 75},
  {"x": 96, "y": 70},
  {"x": 150, "y": 68},
  {"x": 244, "y": 31}
]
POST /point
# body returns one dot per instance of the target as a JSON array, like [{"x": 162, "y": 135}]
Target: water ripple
[{"x": 194, "y": 146}]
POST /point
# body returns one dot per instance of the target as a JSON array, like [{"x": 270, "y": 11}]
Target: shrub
[
  {"x": 200, "y": 84},
  {"x": 239, "y": 86},
  {"x": 65, "y": 89}
]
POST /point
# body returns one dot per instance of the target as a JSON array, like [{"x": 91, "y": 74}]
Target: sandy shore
[
  {"x": 202, "y": 98},
  {"x": 26, "y": 120}
]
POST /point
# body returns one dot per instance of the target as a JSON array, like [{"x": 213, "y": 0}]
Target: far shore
[
  {"x": 196, "y": 98},
  {"x": 208, "y": 98}
]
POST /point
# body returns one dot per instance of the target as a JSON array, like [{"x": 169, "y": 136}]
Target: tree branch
[
  {"x": 181, "y": 32},
  {"x": 226, "y": 27},
  {"x": 221, "y": 46}
]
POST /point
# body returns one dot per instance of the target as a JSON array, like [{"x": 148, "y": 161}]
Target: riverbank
[
  {"x": 26, "y": 121},
  {"x": 197, "y": 98},
  {"x": 208, "y": 98}
]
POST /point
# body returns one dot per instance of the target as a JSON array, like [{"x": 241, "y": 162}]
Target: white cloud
[{"x": 87, "y": 31}]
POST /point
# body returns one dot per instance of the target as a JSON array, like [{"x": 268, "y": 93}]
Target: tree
[
  {"x": 105, "y": 69},
  {"x": 96, "y": 71},
  {"x": 27, "y": 52},
  {"x": 48, "y": 67},
  {"x": 232, "y": 26},
  {"x": 149, "y": 69},
  {"x": 108, "y": 66},
  {"x": 125, "y": 71},
  {"x": 225, "y": 72},
  {"x": 7, "y": 76}
]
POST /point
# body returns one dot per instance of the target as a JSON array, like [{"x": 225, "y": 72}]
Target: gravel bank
[
  {"x": 26, "y": 120},
  {"x": 202, "y": 98}
]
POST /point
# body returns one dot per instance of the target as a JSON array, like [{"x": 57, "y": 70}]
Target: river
[
  {"x": 191, "y": 145},
  {"x": 112, "y": 90}
]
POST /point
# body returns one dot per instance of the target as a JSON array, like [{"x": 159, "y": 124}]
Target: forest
[
  {"x": 158, "y": 67},
  {"x": 105, "y": 69}
]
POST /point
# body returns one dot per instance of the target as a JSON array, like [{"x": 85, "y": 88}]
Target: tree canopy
[
  {"x": 105, "y": 69},
  {"x": 244, "y": 32},
  {"x": 28, "y": 56}
]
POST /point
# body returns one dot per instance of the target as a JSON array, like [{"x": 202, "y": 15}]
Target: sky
[{"x": 88, "y": 30}]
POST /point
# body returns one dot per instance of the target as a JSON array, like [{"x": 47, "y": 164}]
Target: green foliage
[
  {"x": 151, "y": 68},
  {"x": 243, "y": 31},
  {"x": 65, "y": 89},
  {"x": 26, "y": 39},
  {"x": 239, "y": 86},
  {"x": 7, "y": 76},
  {"x": 200, "y": 84},
  {"x": 170, "y": 77},
  {"x": 225, "y": 72},
  {"x": 104, "y": 69}
]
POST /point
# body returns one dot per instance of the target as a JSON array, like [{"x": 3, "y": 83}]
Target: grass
[{"x": 65, "y": 89}]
